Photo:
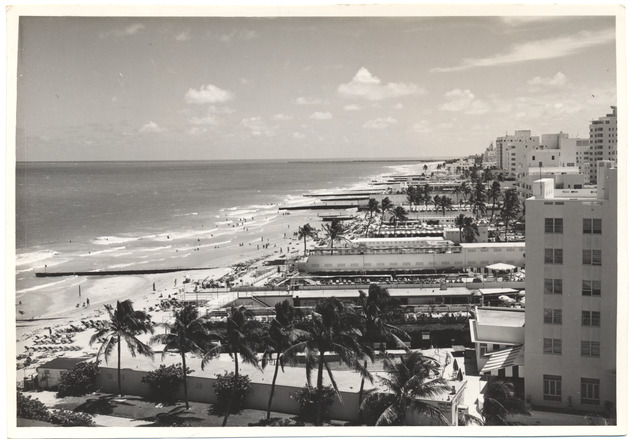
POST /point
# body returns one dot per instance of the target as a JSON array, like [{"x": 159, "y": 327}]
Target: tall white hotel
[{"x": 571, "y": 284}]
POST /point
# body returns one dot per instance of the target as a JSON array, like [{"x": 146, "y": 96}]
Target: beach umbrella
[
  {"x": 460, "y": 375},
  {"x": 455, "y": 365}
]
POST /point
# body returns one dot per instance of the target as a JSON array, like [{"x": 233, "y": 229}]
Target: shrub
[
  {"x": 68, "y": 418},
  {"x": 29, "y": 408},
  {"x": 223, "y": 387},
  {"x": 164, "y": 381},
  {"x": 78, "y": 381},
  {"x": 308, "y": 398}
]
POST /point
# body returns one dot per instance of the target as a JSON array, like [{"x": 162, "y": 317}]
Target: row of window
[
  {"x": 590, "y": 226},
  {"x": 589, "y": 256},
  {"x": 589, "y": 287},
  {"x": 552, "y": 389},
  {"x": 553, "y": 316},
  {"x": 554, "y": 346}
]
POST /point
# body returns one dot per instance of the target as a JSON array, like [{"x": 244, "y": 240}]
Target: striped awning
[{"x": 502, "y": 359}]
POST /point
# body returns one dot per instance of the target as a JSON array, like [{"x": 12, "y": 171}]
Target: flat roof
[
  {"x": 410, "y": 239},
  {"x": 63, "y": 363},
  {"x": 490, "y": 291},
  {"x": 394, "y": 292},
  {"x": 492, "y": 244},
  {"x": 495, "y": 316}
]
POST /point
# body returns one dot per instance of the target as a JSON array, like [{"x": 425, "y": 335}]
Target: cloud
[
  {"x": 258, "y": 127},
  {"x": 299, "y": 136},
  {"x": 307, "y": 101},
  {"x": 321, "y": 115},
  {"x": 379, "y": 123},
  {"x": 422, "y": 127},
  {"x": 352, "y": 107},
  {"x": 557, "y": 80},
  {"x": 208, "y": 94},
  {"x": 282, "y": 117},
  {"x": 398, "y": 106},
  {"x": 538, "y": 50},
  {"x": 195, "y": 131},
  {"x": 206, "y": 120},
  {"x": 132, "y": 29},
  {"x": 367, "y": 86},
  {"x": 464, "y": 101},
  {"x": 152, "y": 127},
  {"x": 183, "y": 36}
]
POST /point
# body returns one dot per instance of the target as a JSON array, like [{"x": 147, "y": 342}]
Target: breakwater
[{"x": 114, "y": 272}]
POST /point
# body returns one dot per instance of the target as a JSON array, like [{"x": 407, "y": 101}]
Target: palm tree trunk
[
  {"x": 492, "y": 213},
  {"x": 332, "y": 244},
  {"x": 273, "y": 385},
  {"x": 320, "y": 388},
  {"x": 304, "y": 245},
  {"x": 119, "y": 381},
  {"x": 185, "y": 380},
  {"x": 361, "y": 394},
  {"x": 234, "y": 384}
]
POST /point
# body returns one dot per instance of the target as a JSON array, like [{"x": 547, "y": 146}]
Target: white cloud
[
  {"x": 539, "y": 49},
  {"x": 132, "y": 29},
  {"x": 282, "y": 117},
  {"x": 220, "y": 110},
  {"x": 463, "y": 101},
  {"x": 258, "y": 127},
  {"x": 398, "y": 106},
  {"x": 351, "y": 107},
  {"x": 307, "y": 101},
  {"x": 195, "y": 131},
  {"x": 367, "y": 86},
  {"x": 206, "y": 120},
  {"x": 321, "y": 115},
  {"x": 422, "y": 127},
  {"x": 183, "y": 36},
  {"x": 152, "y": 127},
  {"x": 208, "y": 94},
  {"x": 380, "y": 123},
  {"x": 299, "y": 136},
  {"x": 557, "y": 80}
]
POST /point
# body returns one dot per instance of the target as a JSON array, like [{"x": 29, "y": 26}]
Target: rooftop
[
  {"x": 394, "y": 292},
  {"x": 492, "y": 316},
  {"x": 63, "y": 363}
]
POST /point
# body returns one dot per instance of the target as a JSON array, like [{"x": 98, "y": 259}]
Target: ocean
[{"x": 117, "y": 215}]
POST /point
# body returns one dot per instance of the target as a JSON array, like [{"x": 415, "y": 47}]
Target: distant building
[
  {"x": 512, "y": 151},
  {"x": 49, "y": 374},
  {"x": 602, "y": 141},
  {"x": 571, "y": 284}
]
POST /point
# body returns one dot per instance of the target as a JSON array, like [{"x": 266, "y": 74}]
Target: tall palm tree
[
  {"x": 466, "y": 191},
  {"x": 470, "y": 230},
  {"x": 399, "y": 214},
  {"x": 124, "y": 324},
  {"x": 413, "y": 378},
  {"x": 335, "y": 231},
  {"x": 478, "y": 199},
  {"x": 426, "y": 196},
  {"x": 377, "y": 308},
  {"x": 494, "y": 194},
  {"x": 386, "y": 207},
  {"x": 241, "y": 332},
  {"x": 282, "y": 336},
  {"x": 460, "y": 221},
  {"x": 306, "y": 231},
  {"x": 187, "y": 333},
  {"x": 372, "y": 208},
  {"x": 500, "y": 402},
  {"x": 487, "y": 175},
  {"x": 444, "y": 203},
  {"x": 411, "y": 195},
  {"x": 334, "y": 327},
  {"x": 510, "y": 208}
]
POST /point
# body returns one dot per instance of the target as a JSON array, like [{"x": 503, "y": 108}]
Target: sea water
[{"x": 135, "y": 214}]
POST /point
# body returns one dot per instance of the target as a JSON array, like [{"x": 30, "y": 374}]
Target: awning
[
  {"x": 500, "y": 267},
  {"x": 502, "y": 359}
]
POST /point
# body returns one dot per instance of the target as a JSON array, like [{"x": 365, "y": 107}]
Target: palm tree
[
  {"x": 386, "y": 207},
  {"x": 399, "y": 214},
  {"x": 412, "y": 195},
  {"x": 459, "y": 223},
  {"x": 494, "y": 194},
  {"x": 426, "y": 196},
  {"x": 306, "y": 231},
  {"x": 241, "y": 331},
  {"x": 282, "y": 336},
  {"x": 377, "y": 308},
  {"x": 372, "y": 208},
  {"x": 470, "y": 230},
  {"x": 187, "y": 333},
  {"x": 335, "y": 231},
  {"x": 444, "y": 203},
  {"x": 334, "y": 327},
  {"x": 478, "y": 199},
  {"x": 413, "y": 378},
  {"x": 510, "y": 209},
  {"x": 500, "y": 402},
  {"x": 487, "y": 175},
  {"x": 124, "y": 324},
  {"x": 466, "y": 191}
]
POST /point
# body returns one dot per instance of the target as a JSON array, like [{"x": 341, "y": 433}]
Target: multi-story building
[
  {"x": 572, "y": 152},
  {"x": 571, "y": 284},
  {"x": 602, "y": 141},
  {"x": 512, "y": 151}
]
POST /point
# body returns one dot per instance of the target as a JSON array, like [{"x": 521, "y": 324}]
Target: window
[
  {"x": 591, "y": 257},
  {"x": 483, "y": 348},
  {"x": 552, "y": 387},
  {"x": 553, "y": 286},
  {"x": 548, "y": 225},
  {"x": 552, "y": 316},
  {"x": 590, "y": 348},
  {"x": 593, "y": 226},
  {"x": 553, "y": 256},
  {"x": 552, "y": 346},
  {"x": 496, "y": 347},
  {"x": 590, "y": 318},
  {"x": 591, "y": 288},
  {"x": 589, "y": 391}
]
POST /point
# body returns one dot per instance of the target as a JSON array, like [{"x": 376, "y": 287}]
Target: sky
[{"x": 212, "y": 88}]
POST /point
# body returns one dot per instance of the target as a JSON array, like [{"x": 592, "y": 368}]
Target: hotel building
[
  {"x": 602, "y": 141},
  {"x": 571, "y": 284}
]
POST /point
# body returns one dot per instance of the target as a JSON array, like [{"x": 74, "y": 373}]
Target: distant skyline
[{"x": 92, "y": 88}]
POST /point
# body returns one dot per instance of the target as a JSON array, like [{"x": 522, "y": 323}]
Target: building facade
[
  {"x": 571, "y": 284},
  {"x": 602, "y": 141}
]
